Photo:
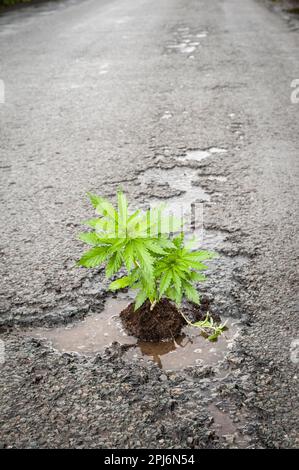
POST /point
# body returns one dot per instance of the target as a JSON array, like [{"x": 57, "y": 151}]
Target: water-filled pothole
[
  {"x": 190, "y": 348},
  {"x": 98, "y": 331},
  {"x": 91, "y": 335}
]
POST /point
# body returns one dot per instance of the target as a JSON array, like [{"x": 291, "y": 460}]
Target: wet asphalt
[{"x": 97, "y": 93}]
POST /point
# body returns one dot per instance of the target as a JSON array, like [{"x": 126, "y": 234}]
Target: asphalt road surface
[{"x": 96, "y": 93}]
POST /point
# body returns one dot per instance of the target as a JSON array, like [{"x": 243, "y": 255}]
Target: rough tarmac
[{"x": 97, "y": 93}]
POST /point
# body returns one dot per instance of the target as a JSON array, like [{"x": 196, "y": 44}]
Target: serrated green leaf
[
  {"x": 197, "y": 265},
  {"x": 146, "y": 261},
  {"x": 200, "y": 255},
  {"x": 128, "y": 256},
  {"x": 171, "y": 294},
  {"x": 106, "y": 209},
  {"x": 178, "y": 297},
  {"x": 174, "y": 295},
  {"x": 94, "y": 199},
  {"x": 89, "y": 237},
  {"x": 214, "y": 337},
  {"x": 191, "y": 293},
  {"x": 177, "y": 281},
  {"x": 120, "y": 283},
  {"x": 106, "y": 241},
  {"x": 165, "y": 243},
  {"x": 194, "y": 276},
  {"x": 93, "y": 257},
  {"x": 106, "y": 226},
  {"x": 132, "y": 221},
  {"x": 140, "y": 299},
  {"x": 178, "y": 241},
  {"x": 165, "y": 281},
  {"x": 153, "y": 245},
  {"x": 113, "y": 264},
  {"x": 91, "y": 222},
  {"x": 117, "y": 245}
]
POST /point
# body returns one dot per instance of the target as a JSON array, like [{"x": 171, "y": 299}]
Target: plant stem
[
  {"x": 185, "y": 318},
  {"x": 202, "y": 328}
]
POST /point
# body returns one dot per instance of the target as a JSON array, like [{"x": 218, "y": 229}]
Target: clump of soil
[{"x": 163, "y": 322}]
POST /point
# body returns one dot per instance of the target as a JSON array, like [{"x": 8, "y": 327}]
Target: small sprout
[
  {"x": 208, "y": 327},
  {"x": 158, "y": 264}
]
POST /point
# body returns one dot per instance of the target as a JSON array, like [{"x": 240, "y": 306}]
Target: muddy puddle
[{"x": 98, "y": 331}]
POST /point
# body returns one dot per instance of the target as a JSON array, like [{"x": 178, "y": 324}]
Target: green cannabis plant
[{"x": 149, "y": 245}]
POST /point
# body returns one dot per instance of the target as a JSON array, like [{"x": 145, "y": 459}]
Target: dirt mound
[{"x": 163, "y": 322}]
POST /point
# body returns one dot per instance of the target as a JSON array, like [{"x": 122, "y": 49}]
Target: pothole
[
  {"x": 98, "y": 331},
  {"x": 91, "y": 335},
  {"x": 188, "y": 349}
]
